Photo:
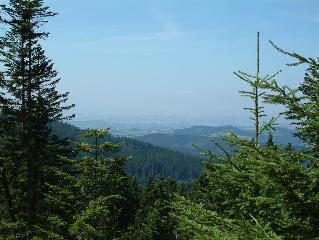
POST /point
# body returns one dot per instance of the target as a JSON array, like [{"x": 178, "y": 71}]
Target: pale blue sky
[{"x": 173, "y": 57}]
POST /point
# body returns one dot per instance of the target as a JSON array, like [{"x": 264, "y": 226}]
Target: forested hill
[
  {"x": 146, "y": 160},
  {"x": 183, "y": 139}
]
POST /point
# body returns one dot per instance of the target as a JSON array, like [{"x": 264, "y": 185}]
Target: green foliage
[
  {"x": 153, "y": 219},
  {"x": 145, "y": 160},
  {"x": 257, "y": 186},
  {"x": 199, "y": 223},
  {"x": 302, "y": 103},
  {"x": 98, "y": 220},
  {"x": 150, "y": 161},
  {"x": 106, "y": 202},
  {"x": 50, "y": 189},
  {"x": 30, "y": 153},
  {"x": 272, "y": 184},
  {"x": 59, "y": 202}
]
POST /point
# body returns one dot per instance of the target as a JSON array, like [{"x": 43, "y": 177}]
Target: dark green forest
[
  {"x": 144, "y": 160},
  {"x": 57, "y": 182}
]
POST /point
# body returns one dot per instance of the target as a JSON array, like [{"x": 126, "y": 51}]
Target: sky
[{"x": 135, "y": 58}]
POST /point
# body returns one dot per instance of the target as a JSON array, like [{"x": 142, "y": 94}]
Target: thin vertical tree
[{"x": 256, "y": 95}]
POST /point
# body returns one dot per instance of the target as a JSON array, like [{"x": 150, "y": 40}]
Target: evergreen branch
[
  {"x": 269, "y": 125},
  {"x": 300, "y": 58},
  {"x": 259, "y": 225},
  {"x": 228, "y": 156}
]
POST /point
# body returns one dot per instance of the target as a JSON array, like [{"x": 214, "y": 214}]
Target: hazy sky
[{"x": 173, "y": 57}]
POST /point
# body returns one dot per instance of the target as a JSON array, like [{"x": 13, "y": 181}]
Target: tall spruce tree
[{"x": 29, "y": 82}]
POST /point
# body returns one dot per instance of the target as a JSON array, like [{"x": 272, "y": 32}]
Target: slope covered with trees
[{"x": 145, "y": 160}]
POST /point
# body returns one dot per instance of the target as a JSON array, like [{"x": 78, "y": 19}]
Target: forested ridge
[
  {"x": 54, "y": 188},
  {"x": 144, "y": 160}
]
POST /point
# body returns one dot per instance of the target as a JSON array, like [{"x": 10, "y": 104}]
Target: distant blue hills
[{"x": 183, "y": 140}]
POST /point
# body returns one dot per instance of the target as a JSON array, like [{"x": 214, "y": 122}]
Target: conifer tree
[
  {"x": 195, "y": 221},
  {"x": 5, "y": 143},
  {"x": 301, "y": 103},
  {"x": 270, "y": 186},
  {"x": 29, "y": 80},
  {"x": 105, "y": 200},
  {"x": 153, "y": 219}
]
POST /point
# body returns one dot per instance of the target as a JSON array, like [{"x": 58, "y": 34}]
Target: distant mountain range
[
  {"x": 169, "y": 152},
  {"x": 183, "y": 140}
]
